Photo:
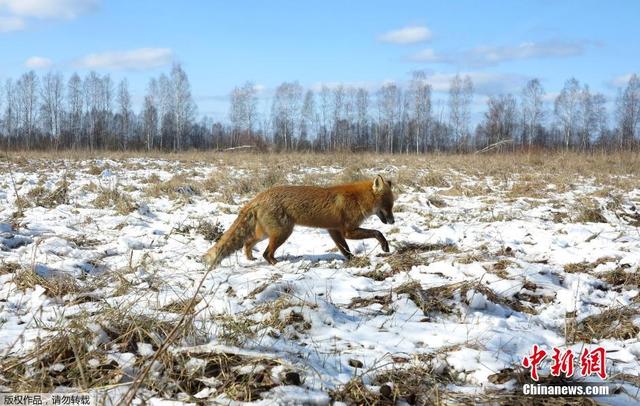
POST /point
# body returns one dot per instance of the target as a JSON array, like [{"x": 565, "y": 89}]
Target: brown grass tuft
[
  {"x": 614, "y": 323},
  {"x": 589, "y": 211},
  {"x": 57, "y": 285},
  {"x": 587, "y": 267},
  {"x": 114, "y": 199}
]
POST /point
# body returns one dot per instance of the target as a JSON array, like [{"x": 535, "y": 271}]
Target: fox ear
[{"x": 378, "y": 184}]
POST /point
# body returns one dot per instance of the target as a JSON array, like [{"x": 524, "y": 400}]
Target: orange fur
[{"x": 340, "y": 209}]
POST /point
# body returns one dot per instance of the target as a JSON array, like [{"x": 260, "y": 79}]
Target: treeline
[{"x": 93, "y": 112}]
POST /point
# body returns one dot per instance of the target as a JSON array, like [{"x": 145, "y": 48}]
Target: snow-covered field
[{"x": 99, "y": 260}]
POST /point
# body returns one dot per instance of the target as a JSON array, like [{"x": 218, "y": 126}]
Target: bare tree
[
  {"x": 27, "y": 101},
  {"x": 309, "y": 120},
  {"x": 243, "y": 111},
  {"x": 166, "y": 111},
  {"x": 420, "y": 107},
  {"x": 500, "y": 120},
  {"x": 325, "y": 105},
  {"x": 11, "y": 112},
  {"x": 532, "y": 110},
  {"x": 106, "y": 109},
  {"x": 600, "y": 116},
  {"x": 124, "y": 110},
  {"x": 460, "y": 98},
  {"x": 362, "y": 107},
  {"x": 184, "y": 107},
  {"x": 339, "y": 96},
  {"x": 628, "y": 111},
  {"x": 286, "y": 113},
  {"x": 389, "y": 100},
  {"x": 150, "y": 121},
  {"x": 588, "y": 119},
  {"x": 75, "y": 108},
  {"x": 92, "y": 93},
  {"x": 51, "y": 95},
  {"x": 567, "y": 110}
]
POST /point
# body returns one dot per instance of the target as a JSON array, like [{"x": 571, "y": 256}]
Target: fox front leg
[
  {"x": 342, "y": 245},
  {"x": 363, "y": 233}
]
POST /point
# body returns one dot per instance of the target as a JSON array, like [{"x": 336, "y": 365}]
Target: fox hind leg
[
  {"x": 248, "y": 246},
  {"x": 275, "y": 241},
  {"x": 252, "y": 241}
]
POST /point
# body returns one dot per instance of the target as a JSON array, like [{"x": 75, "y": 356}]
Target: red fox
[{"x": 340, "y": 209}]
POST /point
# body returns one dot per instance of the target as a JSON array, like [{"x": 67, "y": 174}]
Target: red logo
[
  {"x": 591, "y": 362},
  {"x": 533, "y": 360}
]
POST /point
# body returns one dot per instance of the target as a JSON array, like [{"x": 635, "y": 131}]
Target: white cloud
[
  {"x": 38, "y": 62},
  {"x": 407, "y": 35},
  {"x": 11, "y": 23},
  {"x": 428, "y": 55},
  {"x": 621, "y": 80},
  {"x": 484, "y": 83},
  {"x": 490, "y": 55},
  {"x": 493, "y": 55},
  {"x": 318, "y": 86},
  {"x": 550, "y": 97},
  {"x": 136, "y": 59},
  {"x": 64, "y": 9}
]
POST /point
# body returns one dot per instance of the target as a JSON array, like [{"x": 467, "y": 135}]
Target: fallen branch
[{"x": 493, "y": 146}]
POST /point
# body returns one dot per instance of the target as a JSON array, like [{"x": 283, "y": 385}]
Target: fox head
[{"x": 384, "y": 200}]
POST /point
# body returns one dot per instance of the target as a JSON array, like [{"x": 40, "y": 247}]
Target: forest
[{"x": 50, "y": 111}]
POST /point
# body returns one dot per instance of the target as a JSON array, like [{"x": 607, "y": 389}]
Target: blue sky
[{"x": 500, "y": 44}]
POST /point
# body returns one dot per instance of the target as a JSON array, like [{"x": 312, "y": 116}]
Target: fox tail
[{"x": 233, "y": 239}]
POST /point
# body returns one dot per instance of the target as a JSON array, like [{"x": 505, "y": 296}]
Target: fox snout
[{"x": 385, "y": 218}]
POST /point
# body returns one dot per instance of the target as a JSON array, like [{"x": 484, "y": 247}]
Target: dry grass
[
  {"x": 61, "y": 360},
  {"x": 407, "y": 256},
  {"x": 434, "y": 179},
  {"x": 41, "y": 196},
  {"x": 185, "y": 306},
  {"x": 8, "y": 268},
  {"x": 587, "y": 267},
  {"x": 431, "y": 300},
  {"x": 614, "y": 323},
  {"x": 384, "y": 301},
  {"x": 440, "y": 299},
  {"x": 561, "y": 167},
  {"x": 436, "y": 201},
  {"x": 588, "y": 211},
  {"x": 75, "y": 358},
  {"x": 180, "y": 185},
  {"x": 235, "y": 329},
  {"x": 57, "y": 285},
  {"x": 358, "y": 262},
  {"x": 418, "y": 384},
  {"x": 209, "y": 230},
  {"x": 533, "y": 189},
  {"x": 116, "y": 200},
  {"x": 621, "y": 277},
  {"x": 499, "y": 268}
]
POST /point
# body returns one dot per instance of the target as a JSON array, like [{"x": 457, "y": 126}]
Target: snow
[{"x": 163, "y": 266}]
